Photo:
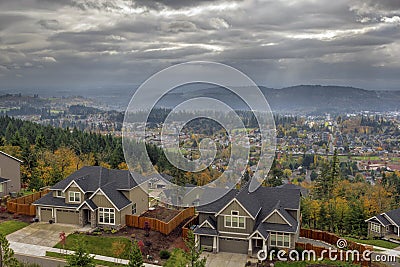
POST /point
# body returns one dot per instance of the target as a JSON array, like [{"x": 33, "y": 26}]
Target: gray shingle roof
[
  {"x": 394, "y": 215},
  {"x": 49, "y": 200},
  {"x": 205, "y": 231},
  {"x": 276, "y": 227},
  {"x": 383, "y": 220},
  {"x": 116, "y": 197},
  {"x": 3, "y": 180}
]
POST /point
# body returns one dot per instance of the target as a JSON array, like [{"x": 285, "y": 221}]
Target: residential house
[
  {"x": 93, "y": 195},
  {"x": 10, "y": 175},
  {"x": 385, "y": 224},
  {"x": 246, "y": 222}
]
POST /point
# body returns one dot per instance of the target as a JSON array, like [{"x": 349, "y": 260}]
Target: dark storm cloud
[{"x": 277, "y": 43}]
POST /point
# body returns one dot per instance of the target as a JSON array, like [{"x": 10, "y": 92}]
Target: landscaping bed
[
  {"x": 161, "y": 213},
  {"x": 7, "y": 216},
  {"x": 101, "y": 242}
]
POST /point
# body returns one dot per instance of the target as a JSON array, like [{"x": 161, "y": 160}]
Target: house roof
[
  {"x": 205, "y": 231},
  {"x": 89, "y": 203},
  {"x": 4, "y": 180},
  {"x": 277, "y": 227},
  {"x": 383, "y": 220},
  {"x": 90, "y": 178},
  {"x": 11, "y": 157},
  {"x": 49, "y": 200},
  {"x": 394, "y": 215},
  {"x": 116, "y": 197}
]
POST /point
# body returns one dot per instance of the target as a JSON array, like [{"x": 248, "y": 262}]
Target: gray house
[
  {"x": 385, "y": 224},
  {"x": 10, "y": 175},
  {"x": 243, "y": 222},
  {"x": 93, "y": 195}
]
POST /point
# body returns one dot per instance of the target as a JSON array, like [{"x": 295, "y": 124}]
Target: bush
[{"x": 165, "y": 254}]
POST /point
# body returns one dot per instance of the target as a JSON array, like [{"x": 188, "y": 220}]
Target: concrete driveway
[
  {"x": 225, "y": 259},
  {"x": 42, "y": 234}
]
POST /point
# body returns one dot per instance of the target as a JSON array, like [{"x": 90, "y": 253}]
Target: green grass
[
  {"x": 306, "y": 263},
  {"x": 9, "y": 227},
  {"x": 97, "y": 262},
  {"x": 99, "y": 245},
  {"x": 375, "y": 242}
]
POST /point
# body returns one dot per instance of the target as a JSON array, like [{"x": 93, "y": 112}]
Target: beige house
[
  {"x": 247, "y": 222},
  {"x": 93, "y": 195},
  {"x": 10, "y": 175},
  {"x": 385, "y": 224}
]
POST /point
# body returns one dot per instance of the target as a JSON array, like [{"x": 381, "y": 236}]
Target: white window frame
[
  {"x": 273, "y": 239},
  {"x": 72, "y": 195},
  {"x": 375, "y": 227},
  {"x": 234, "y": 220},
  {"x": 1, "y": 188},
  {"x": 60, "y": 193},
  {"x": 110, "y": 212}
]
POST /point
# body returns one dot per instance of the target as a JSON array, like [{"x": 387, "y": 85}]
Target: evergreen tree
[
  {"x": 6, "y": 254},
  {"x": 194, "y": 252},
  {"x": 177, "y": 259},
  {"x": 80, "y": 258},
  {"x": 135, "y": 256}
]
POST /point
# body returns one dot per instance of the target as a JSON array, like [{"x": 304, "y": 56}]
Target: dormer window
[
  {"x": 75, "y": 197},
  {"x": 235, "y": 221},
  {"x": 60, "y": 193}
]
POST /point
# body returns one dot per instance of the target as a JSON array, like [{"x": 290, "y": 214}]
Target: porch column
[
  {"x": 214, "y": 244},
  {"x": 93, "y": 219},
  {"x": 265, "y": 245},
  {"x": 250, "y": 250}
]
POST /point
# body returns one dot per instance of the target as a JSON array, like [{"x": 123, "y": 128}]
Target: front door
[{"x": 88, "y": 215}]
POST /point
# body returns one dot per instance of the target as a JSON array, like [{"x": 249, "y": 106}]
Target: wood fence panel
[
  {"x": 158, "y": 225},
  {"x": 23, "y": 205}
]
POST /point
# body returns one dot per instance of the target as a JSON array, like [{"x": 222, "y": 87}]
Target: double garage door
[
  {"x": 60, "y": 215},
  {"x": 233, "y": 245}
]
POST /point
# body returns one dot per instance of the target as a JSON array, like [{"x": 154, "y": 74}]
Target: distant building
[{"x": 10, "y": 174}]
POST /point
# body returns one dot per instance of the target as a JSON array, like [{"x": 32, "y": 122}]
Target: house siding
[
  {"x": 276, "y": 218},
  {"x": 10, "y": 169},
  {"x": 73, "y": 188},
  {"x": 140, "y": 197},
  {"x": 102, "y": 202},
  {"x": 249, "y": 225},
  {"x": 373, "y": 233}
]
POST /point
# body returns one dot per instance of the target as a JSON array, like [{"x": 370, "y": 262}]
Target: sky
[{"x": 91, "y": 44}]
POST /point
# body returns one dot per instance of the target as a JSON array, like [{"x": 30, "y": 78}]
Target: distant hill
[{"x": 302, "y": 99}]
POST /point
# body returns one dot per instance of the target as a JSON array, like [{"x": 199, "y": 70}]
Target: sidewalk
[{"x": 36, "y": 250}]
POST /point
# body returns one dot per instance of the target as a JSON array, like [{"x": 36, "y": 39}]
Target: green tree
[
  {"x": 177, "y": 259},
  {"x": 135, "y": 256},
  {"x": 194, "y": 252},
  {"x": 80, "y": 258},
  {"x": 6, "y": 254}
]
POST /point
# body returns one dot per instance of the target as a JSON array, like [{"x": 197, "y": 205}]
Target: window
[
  {"x": 375, "y": 227},
  {"x": 106, "y": 216},
  {"x": 60, "y": 193},
  {"x": 235, "y": 221},
  {"x": 134, "y": 208},
  {"x": 74, "y": 197},
  {"x": 280, "y": 239},
  {"x": 1, "y": 188}
]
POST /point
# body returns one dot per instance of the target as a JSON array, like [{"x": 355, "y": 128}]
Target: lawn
[
  {"x": 9, "y": 227},
  {"x": 99, "y": 245},
  {"x": 375, "y": 242},
  {"x": 98, "y": 262}
]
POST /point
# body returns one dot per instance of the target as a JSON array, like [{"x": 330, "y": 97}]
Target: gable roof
[
  {"x": 49, "y": 200},
  {"x": 88, "y": 202},
  {"x": 90, "y": 178},
  {"x": 11, "y": 157},
  {"x": 394, "y": 216}
]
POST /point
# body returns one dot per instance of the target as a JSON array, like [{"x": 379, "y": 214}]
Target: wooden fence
[
  {"x": 331, "y": 239},
  {"x": 23, "y": 205},
  {"x": 188, "y": 224},
  {"x": 158, "y": 225}
]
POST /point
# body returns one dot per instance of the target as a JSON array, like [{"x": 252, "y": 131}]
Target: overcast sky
[{"x": 77, "y": 44}]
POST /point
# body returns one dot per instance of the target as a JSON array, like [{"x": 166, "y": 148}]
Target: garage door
[
  {"x": 233, "y": 245},
  {"x": 45, "y": 214},
  {"x": 68, "y": 216}
]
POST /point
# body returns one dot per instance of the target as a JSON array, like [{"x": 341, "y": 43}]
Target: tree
[
  {"x": 6, "y": 254},
  {"x": 80, "y": 258},
  {"x": 135, "y": 256},
  {"x": 177, "y": 259},
  {"x": 194, "y": 252}
]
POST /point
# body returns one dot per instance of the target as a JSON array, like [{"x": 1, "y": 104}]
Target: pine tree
[
  {"x": 80, "y": 258},
  {"x": 6, "y": 254},
  {"x": 194, "y": 252},
  {"x": 135, "y": 256}
]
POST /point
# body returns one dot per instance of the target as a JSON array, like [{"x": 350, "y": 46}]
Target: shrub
[{"x": 165, "y": 254}]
